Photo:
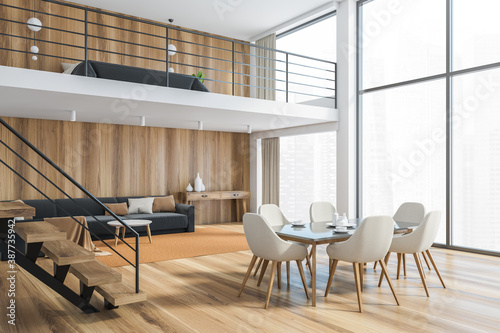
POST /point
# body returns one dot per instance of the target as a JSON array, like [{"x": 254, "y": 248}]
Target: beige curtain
[
  {"x": 271, "y": 171},
  {"x": 265, "y": 76}
]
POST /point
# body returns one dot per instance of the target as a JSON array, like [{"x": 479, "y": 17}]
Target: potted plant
[{"x": 200, "y": 76}]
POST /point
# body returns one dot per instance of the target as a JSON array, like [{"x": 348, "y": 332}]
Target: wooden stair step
[
  {"x": 37, "y": 232},
  {"x": 93, "y": 273},
  {"x": 120, "y": 293},
  {"x": 66, "y": 252}
]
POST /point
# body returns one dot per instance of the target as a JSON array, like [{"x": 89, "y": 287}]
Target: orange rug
[{"x": 204, "y": 241}]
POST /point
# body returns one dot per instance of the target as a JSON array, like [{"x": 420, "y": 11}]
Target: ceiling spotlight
[
  {"x": 249, "y": 129},
  {"x": 72, "y": 114},
  {"x": 200, "y": 126},
  {"x": 34, "y": 24},
  {"x": 143, "y": 121}
]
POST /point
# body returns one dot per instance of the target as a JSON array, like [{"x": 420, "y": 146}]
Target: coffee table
[{"x": 131, "y": 223}]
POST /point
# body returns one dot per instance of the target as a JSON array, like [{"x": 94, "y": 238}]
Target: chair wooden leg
[
  {"x": 249, "y": 271},
  {"x": 330, "y": 277},
  {"x": 399, "y": 265},
  {"x": 278, "y": 270},
  {"x": 426, "y": 261},
  {"x": 421, "y": 272},
  {"x": 358, "y": 285},
  {"x": 361, "y": 272},
  {"x": 386, "y": 260},
  {"x": 302, "y": 277},
  {"x": 386, "y": 273},
  {"x": 404, "y": 263},
  {"x": 258, "y": 266},
  {"x": 262, "y": 272},
  {"x": 288, "y": 274},
  {"x": 271, "y": 281},
  {"x": 435, "y": 267},
  {"x": 375, "y": 265}
]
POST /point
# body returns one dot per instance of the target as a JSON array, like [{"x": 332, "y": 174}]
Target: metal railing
[
  {"x": 231, "y": 66},
  {"x": 21, "y": 158}
]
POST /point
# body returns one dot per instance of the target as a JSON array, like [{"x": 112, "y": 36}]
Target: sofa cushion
[
  {"x": 43, "y": 208},
  {"x": 117, "y": 208},
  {"x": 138, "y": 206},
  {"x": 81, "y": 206},
  {"x": 164, "y": 204}
]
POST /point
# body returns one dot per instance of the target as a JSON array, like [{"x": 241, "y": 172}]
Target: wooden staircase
[{"x": 69, "y": 257}]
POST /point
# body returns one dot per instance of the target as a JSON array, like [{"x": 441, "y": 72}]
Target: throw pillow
[
  {"x": 68, "y": 68},
  {"x": 118, "y": 208},
  {"x": 164, "y": 204},
  {"x": 138, "y": 206}
]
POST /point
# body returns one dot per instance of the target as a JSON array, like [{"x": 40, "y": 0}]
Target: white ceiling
[{"x": 240, "y": 19}]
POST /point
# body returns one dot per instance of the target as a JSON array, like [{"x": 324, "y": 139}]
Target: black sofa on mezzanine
[
  {"x": 182, "y": 220},
  {"x": 117, "y": 72}
]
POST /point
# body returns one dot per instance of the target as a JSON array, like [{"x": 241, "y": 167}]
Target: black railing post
[
  {"x": 168, "y": 60},
  {"x": 336, "y": 85},
  {"x": 86, "y": 43},
  {"x": 286, "y": 73},
  {"x": 233, "y": 69},
  {"x": 137, "y": 263}
]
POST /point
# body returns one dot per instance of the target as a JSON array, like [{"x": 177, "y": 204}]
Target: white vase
[
  {"x": 202, "y": 187},
  {"x": 189, "y": 188},
  {"x": 198, "y": 183}
]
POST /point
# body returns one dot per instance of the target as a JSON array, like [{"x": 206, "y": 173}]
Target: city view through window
[{"x": 404, "y": 127}]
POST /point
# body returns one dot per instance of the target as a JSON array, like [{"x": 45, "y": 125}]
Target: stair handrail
[{"x": 84, "y": 190}]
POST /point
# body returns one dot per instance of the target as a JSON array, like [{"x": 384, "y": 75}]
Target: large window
[
  {"x": 308, "y": 81},
  {"x": 413, "y": 101},
  {"x": 404, "y": 148},
  {"x": 307, "y": 172}
]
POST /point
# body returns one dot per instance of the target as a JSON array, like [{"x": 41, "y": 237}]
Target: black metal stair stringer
[{"x": 49, "y": 280}]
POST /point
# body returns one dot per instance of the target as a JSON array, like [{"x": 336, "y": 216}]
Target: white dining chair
[
  {"x": 274, "y": 217},
  {"x": 273, "y": 214},
  {"x": 408, "y": 214},
  {"x": 420, "y": 240},
  {"x": 265, "y": 244},
  {"x": 321, "y": 211},
  {"x": 370, "y": 242}
]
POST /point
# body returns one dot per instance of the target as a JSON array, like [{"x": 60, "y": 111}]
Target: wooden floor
[{"x": 199, "y": 295}]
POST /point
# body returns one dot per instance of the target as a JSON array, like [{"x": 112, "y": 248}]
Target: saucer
[{"x": 297, "y": 223}]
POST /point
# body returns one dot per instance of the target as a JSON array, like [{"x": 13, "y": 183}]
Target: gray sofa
[
  {"x": 138, "y": 75},
  {"x": 182, "y": 220}
]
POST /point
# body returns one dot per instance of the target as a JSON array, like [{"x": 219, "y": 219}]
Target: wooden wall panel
[
  {"x": 124, "y": 54},
  {"x": 118, "y": 160}
]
